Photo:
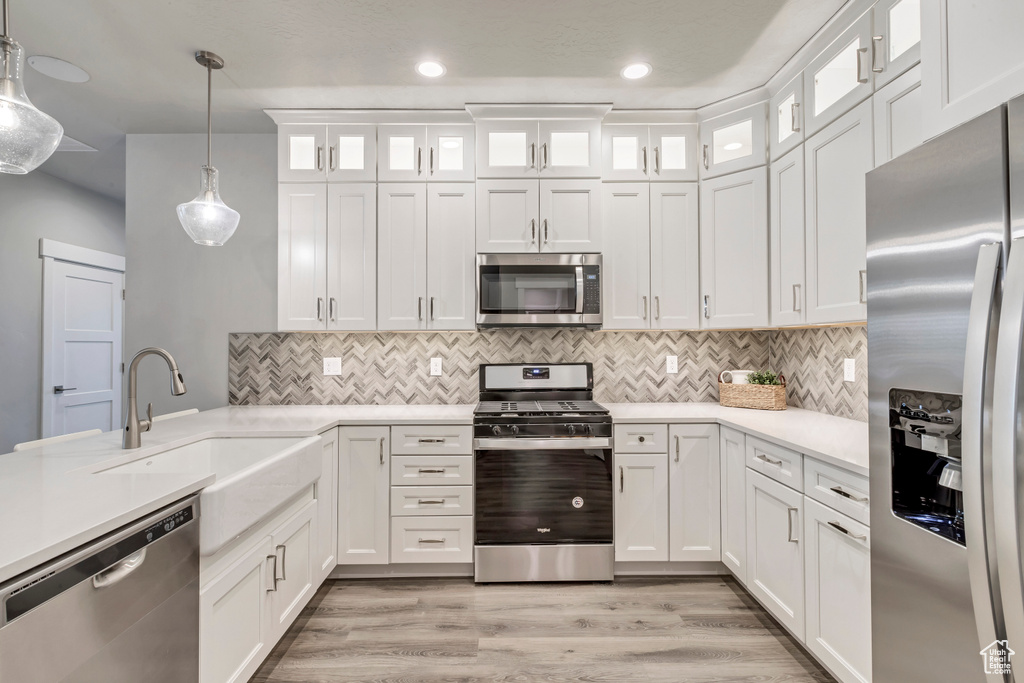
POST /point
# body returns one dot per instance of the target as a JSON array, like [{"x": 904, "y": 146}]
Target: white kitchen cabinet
[
  {"x": 787, "y": 239},
  {"x": 840, "y": 77},
  {"x": 451, "y": 153},
  {"x": 675, "y": 256},
  {"x": 351, "y": 256},
  {"x": 734, "y": 141},
  {"x": 507, "y": 214},
  {"x": 972, "y": 59},
  {"x": 785, "y": 118},
  {"x": 433, "y": 539},
  {"x": 898, "y": 116},
  {"x": 507, "y": 148},
  {"x": 656, "y": 152},
  {"x": 570, "y": 216},
  {"x": 351, "y": 153},
  {"x": 301, "y": 152},
  {"x": 451, "y": 256},
  {"x": 363, "y": 494},
  {"x": 401, "y": 153},
  {"x": 775, "y": 553},
  {"x": 733, "y": 457},
  {"x": 836, "y": 161},
  {"x": 517, "y": 216},
  {"x": 674, "y": 152},
  {"x": 628, "y": 256},
  {"x": 641, "y": 507},
  {"x": 838, "y": 592},
  {"x": 401, "y": 256},
  {"x": 896, "y": 38},
  {"x": 301, "y": 256},
  {"x": 442, "y": 153},
  {"x": 325, "y": 553},
  {"x": 734, "y": 250},
  {"x": 694, "y": 474},
  {"x": 295, "y": 576},
  {"x": 531, "y": 148}
]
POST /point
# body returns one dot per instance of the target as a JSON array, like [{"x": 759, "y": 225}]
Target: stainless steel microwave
[{"x": 538, "y": 290}]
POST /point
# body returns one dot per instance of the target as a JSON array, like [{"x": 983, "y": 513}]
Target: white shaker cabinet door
[
  {"x": 507, "y": 216},
  {"x": 570, "y": 148},
  {"x": 301, "y": 152},
  {"x": 401, "y": 256},
  {"x": 641, "y": 508},
  {"x": 785, "y": 118},
  {"x": 451, "y": 256},
  {"x": 352, "y": 256},
  {"x": 787, "y": 239},
  {"x": 326, "y": 550},
  {"x": 734, "y": 250},
  {"x": 836, "y": 162},
  {"x": 297, "y": 576},
  {"x": 507, "y": 149},
  {"x": 626, "y": 153},
  {"x": 675, "y": 256},
  {"x": 401, "y": 153},
  {"x": 570, "y": 216},
  {"x": 673, "y": 152},
  {"x": 451, "y": 153},
  {"x": 351, "y": 153},
  {"x": 895, "y": 38},
  {"x": 898, "y": 122},
  {"x": 301, "y": 256},
  {"x": 694, "y": 495},
  {"x": 840, "y": 77},
  {"x": 364, "y": 486},
  {"x": 733, "y": 457},
  {"x": 627, "y": 260}
]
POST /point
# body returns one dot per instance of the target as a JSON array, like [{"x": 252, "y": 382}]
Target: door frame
[{"x": 51, "y": 251}]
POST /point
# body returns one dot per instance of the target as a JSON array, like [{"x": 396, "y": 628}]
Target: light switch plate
[
  {"x": 332, "y": 366},
  {"x": 849, "y": 370},
  {"x": 435, "y": 367},
  {"x": 672, "y": 364}
]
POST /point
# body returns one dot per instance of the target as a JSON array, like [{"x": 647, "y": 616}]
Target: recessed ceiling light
[
  {"x": 58, "y": 68},
  {"x": 430, "y": 69},
  {"x": 733, "y": 146},
  {"x": 638, "y": 70}
]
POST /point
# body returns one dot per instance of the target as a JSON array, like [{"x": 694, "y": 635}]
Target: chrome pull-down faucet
[{"x": 133, "y": 426}]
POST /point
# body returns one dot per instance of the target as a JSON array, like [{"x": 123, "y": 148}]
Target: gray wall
[
  {"x": 34, "y": 206},
  {"x": 184, "y": 297}
]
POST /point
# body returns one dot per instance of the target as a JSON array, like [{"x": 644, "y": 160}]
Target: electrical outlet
[
  {"x": 671, "y": 364},
  {"x": 849, "y": 370},
  {"x": 332, "y": 366},
  {"x": 435, "y": 367}
]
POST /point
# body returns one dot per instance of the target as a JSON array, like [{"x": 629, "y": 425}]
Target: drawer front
[
  {"x": 420, "y": 501},
  {"x": 432, "y": 440},
  {"x": 431, "y": 470},
  {"x": 840, "y": 490},
  {"x": 781, "y": 464},
  {"x": 641, "y": 438},
  {"x": 431, "y": 539}
]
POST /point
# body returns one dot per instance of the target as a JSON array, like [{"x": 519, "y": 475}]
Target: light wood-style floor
[{"x": 704, "y": 629}]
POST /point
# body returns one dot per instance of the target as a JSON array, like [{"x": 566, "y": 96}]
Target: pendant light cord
[
  {"x": 7, "y": 19},
  {"x": 209, "y": 113}
]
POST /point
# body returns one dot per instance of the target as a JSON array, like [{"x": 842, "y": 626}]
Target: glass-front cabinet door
[
  {"x": 733, "y": 141},
  {"x": 625, "y": 152},
  {"x": 351, "y": 153},
  {"x": 896, "y": 38},
  {"x": 785, "y": 118},
  {"x": 450, "y": 153},
  {"x": 840, "y": 77},
  {"x": 401, "y": 153},
  {"x": 570, "y": 148},
  {"x": 673, "y": 153},
  {"x": 507, "y": 149},
  {"x": 301, "y": 153}
]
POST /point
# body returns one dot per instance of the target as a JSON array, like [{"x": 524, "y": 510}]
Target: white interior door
[{"x": 82, "y": 339}]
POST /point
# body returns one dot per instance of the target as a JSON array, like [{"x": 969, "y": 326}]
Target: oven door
[
  {"x": 533, "y": 290},
  {"x": 543, "y": 491}
]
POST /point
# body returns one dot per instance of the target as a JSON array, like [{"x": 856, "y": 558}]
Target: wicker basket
[{"x": 758, "y": 396}]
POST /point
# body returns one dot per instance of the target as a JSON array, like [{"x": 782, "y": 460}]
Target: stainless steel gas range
[{"x": 543, "y": 452}]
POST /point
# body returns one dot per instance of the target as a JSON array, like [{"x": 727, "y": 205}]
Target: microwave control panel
[{"x": 591, "y": 289}]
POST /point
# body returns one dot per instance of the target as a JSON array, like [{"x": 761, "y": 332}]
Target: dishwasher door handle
[{"x": 120, "y": 571}]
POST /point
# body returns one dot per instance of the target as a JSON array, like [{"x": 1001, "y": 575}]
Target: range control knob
[
  {"x": 514, "y": 428},
  {"x": 496, "y": 430},
  {"x": 572, "y": 429},
  {"x": 589, "y": 428}
]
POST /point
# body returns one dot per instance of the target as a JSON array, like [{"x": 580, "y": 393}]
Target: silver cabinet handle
[
  {"x": 431, "y": 471},
  {"x": 319, "y": 308},
  {"x": 430, "y": 540},
  {"x": 645, "y": 307},
  {"x": 330, "y": 158},
  {"x": 795, "y": 123},
  {"x": 419, "y": 161},
  {"x": 645, "y": 160},
  {"x": 789, "y": 519},
  {"x": 430, "y": 165},
  {"x": 704, "y": 155},
  {"x": 533, "y": 155},
  {"x": 419, "y": 308},
  {"x": 796, "y": 298},
  {"x": 432, "y": 440},
  {"x": 319, "y": 157},
  {"x": 533, "y": 230},
  {"x": 382, "y": 450},
  {"x": 657, "y": 160},
  {"x": 876, "y": 44},
  {"x": 543, "y": 156},
  {"x": 431, "y": 502},
  {"x": 840, "y": 527},
  {"x": 284, "y": 550},
  {"x": 846, "y": 494},
  {"x": 60, "y": 388},
  {"x": 657, "y": 308},
  {"x": 862, "y": 276},
  {"x": 860, "y": 54},
  {"x": 765, "y": 458},
  {"x": 545, "y": 230},
  {"x": 622, "y": 480},
  {"x": 431, "y": 308},
  {"x": 273, "y": 576},
  {"x": 677, "y": 448},
  {"x": 330, "y": 308},
  {"x": 707, "y": 312}
]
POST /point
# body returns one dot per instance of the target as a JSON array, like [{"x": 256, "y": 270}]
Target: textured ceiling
[{"x": 360, "y": 53}]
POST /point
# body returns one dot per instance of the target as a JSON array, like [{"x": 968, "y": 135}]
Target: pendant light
[
  {"x": 207, "y": 220},
  {"x": 27, "y": 136}
]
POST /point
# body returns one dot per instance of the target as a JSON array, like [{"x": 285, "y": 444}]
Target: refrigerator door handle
[
  {"x": 977, "y": 401},
  {"x": 1007, "y": 477}
]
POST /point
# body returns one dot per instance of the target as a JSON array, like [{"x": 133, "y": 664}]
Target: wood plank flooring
[{"x": 700, "y": 630}]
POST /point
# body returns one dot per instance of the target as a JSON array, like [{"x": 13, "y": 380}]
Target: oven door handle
[
  {"x": 579, "y": 289},
  {"x": 530, "y": 444}
]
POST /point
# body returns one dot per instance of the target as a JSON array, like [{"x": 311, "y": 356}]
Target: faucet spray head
[{"x": 177, "y": 383}]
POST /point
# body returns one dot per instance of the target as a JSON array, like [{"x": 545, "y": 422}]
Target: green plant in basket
[{"x": 766, "y": 377}]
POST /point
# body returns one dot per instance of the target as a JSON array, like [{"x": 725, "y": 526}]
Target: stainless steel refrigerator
[{"x": 945, "y": 290}]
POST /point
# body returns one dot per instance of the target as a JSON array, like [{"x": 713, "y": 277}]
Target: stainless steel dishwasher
[{"x": 122, "y": 609}]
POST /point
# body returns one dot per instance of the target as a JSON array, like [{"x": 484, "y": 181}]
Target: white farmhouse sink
[{"x": 254, "y": 476}]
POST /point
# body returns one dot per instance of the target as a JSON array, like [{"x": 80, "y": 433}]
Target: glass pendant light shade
[
  {"x": 208, "y": 220},
  {"x": 27, "y": 136}
]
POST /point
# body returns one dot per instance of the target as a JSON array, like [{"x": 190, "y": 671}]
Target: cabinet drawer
[
  {"x": 416, "y": 501},
  {"x": 781, "y": 464},
  {"x": 641, "y": 438},
  {"x": 432, "y": 440},
  {"x": 833, "y": 486},
  {"x": 431, "y": 539},
  {"x": 433, "y": 470}
]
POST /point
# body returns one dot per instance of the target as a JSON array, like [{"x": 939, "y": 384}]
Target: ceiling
[{"x": 361, "y": 53}]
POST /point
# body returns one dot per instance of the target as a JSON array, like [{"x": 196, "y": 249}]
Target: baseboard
[
  {"x": 402, "y": 571},
  {"x": 712, "y": 568}
]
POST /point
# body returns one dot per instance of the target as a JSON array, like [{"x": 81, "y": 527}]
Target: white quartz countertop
[{"x": 834, "y": 440}]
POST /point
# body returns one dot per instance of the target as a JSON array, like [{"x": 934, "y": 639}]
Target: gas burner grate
[{"x": 509, "y": 405}]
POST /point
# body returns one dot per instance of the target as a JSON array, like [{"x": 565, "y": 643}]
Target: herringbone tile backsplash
[
  {"x": 812, "y": 360},
  {"x": 388, "y": 368}
]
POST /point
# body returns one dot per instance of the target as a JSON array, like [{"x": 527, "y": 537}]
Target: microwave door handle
[{"x": 579, "y": 289}]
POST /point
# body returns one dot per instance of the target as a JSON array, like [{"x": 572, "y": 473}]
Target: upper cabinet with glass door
[
  {"x": 734, "y": 141},
  {"x": 436, "y": 153},
  {"x": 839, "y": 78},
  {"x": 557, "y": 148},
  {"x": 785, "y": 112},
  {"x": 657, "y": 152},
  {"x": 315, "y": 151},
  {"x": 896, "y": 40}
]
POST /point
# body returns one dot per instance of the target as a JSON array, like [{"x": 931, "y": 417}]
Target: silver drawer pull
[
  {"x": 423, "y": 471},
  {"x": 441, "y": 440},
  {"x": 765, "y": 458},
  {"x": 792, "y": 525},
  {"x": 430, "y": 540},
  {"x": 431, "y": 502},
  {"x": 846, "y": 494},
  {"x": 840, "y": 527}
]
